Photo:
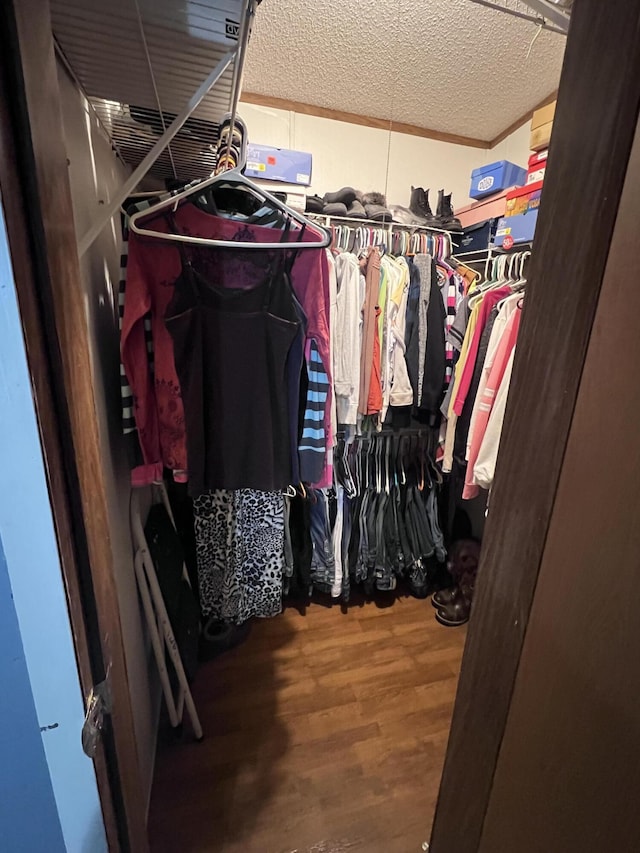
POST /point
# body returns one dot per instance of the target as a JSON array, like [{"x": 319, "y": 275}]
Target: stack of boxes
[
  {"x": 521, "y": 214},
  {"x": 508, "y": 197}
]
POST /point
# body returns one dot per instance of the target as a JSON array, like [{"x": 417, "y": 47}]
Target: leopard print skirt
[{"x": 240, "y": 553}]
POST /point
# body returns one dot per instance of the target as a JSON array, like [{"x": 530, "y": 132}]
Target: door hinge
[{"x": 98, "y": 705}]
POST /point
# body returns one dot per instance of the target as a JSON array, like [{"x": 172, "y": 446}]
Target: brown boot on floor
[{"x": 455, "y": 614}]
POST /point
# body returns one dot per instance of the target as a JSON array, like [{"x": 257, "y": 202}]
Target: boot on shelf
[
  {"x": 444, "y": 212},
  {"x": 420, "y": 207}
]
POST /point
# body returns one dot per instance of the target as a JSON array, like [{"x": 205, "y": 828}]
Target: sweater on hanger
[
  {"x": 489, "y": 300},
  {"x": 485, "y": 467},
  {"x": 153, "y": 267},
  {"x": 370, "y": 318},
  {"x": 346, "y": 337},
  {"x": 485, "y": 403},
  {"x": 400, "y": 391}
]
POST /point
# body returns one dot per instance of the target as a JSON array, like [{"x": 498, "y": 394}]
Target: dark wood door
[
  {"x": 37, "y": 204},
  {"x": 595, "y": 124},
  {"x": 568, "y": 774}
]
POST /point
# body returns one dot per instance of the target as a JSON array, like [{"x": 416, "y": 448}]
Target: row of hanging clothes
[
  {"x": 376, "y": 528},
  {"x": 484, "y": 336},
  {"x": 395, "y": 238},
  {"x": 252, "y": 356}
]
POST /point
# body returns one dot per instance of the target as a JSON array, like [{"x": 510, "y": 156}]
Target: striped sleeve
[{"x": 313, "y": 443}]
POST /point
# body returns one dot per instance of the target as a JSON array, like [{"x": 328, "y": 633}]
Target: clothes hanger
[{"x": 234, "y": 177}]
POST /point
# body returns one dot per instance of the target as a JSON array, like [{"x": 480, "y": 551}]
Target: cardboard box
[
  {"x": 537, "y": 166},
  {"x": 278, "y": 164},
  {"x": 522, "y": 199},
  {"x": 491, "y": 207},
  {"x": 519, "y": 229},
  {"x": 541, "y": 126}
]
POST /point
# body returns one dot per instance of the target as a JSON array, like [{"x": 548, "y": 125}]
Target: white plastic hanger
[{"x": 233, "y": 176}]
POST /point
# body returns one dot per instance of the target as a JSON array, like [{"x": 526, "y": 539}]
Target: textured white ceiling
[{"x": 448, "y": 65}]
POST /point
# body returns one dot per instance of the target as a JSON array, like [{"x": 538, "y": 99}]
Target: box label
[
  {"x": 486, "y": 183},
  {"x": 231, "y": 29}
]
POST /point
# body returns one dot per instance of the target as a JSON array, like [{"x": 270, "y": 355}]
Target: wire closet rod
[
  {"x": 534, "y": 19},
  {"x": 352, "y": 222}
]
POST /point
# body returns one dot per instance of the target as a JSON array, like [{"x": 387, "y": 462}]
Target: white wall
[
  {"x": 95, "y": 174},
  {"x": 370, "y": 159},
  {"x": 515, "y": 147}
]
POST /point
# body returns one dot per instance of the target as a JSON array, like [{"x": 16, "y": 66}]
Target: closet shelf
[
  {"x": 139, "y": 63},
  {"x": 352, "y": 222}
]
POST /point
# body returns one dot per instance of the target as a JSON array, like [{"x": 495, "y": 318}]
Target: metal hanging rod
[
  {"x": 549, "y": 18},
  {"x": 352, "y": 222}
]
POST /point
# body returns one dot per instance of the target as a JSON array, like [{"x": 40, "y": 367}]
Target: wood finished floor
[{"x": 324, "y": 733}]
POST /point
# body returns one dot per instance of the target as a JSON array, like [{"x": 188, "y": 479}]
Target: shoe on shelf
[
  {"x": 314, "y": 204},
  {"x": 420, "y": 207},
  {"x": 378, "y": 213},
  {"x": 346, "y": 196},
  {"x": 404, "y": 216},
  {"x": 334, "y": 208},
  {"x": 356, "y": 210},
  {"x": 444, "y": 213}
]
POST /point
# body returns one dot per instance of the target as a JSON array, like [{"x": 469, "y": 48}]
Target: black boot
[
  {"x": 417, "y": 201},
  {"x": 419, "y": 205},
  {"x": 445, "y": 212},
  {"x": 428, "y": 215},
  {"x": 439, "y": 207}
]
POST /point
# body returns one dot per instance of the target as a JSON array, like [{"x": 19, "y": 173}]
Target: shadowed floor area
[{"x": 324, "y": 732}]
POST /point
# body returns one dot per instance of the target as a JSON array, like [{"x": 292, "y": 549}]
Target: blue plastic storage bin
[
  {"x": 491, "y": 179},
  {"x": 475, "y": 238}
]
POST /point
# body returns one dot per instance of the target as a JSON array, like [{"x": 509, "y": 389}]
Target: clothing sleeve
[
  {"x": 133, "y": 352},
  {"x": 401, "y": 390},
  {"x": 313, "y": 443},
  {"x": 434, "y": 357},
  {"x": 346, "y": 352},
  {"x": 485, "y": 467},
  {"x": 469, "y": 366},
  {"x": 486, "y": 402}
]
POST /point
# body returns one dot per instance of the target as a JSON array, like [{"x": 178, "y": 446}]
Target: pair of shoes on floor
[
  {"x": 453, "y": 606},
  {"x": 444, "y": 216}
]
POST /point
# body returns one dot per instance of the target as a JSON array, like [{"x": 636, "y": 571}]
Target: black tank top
[{"x": 231, "y": 346}]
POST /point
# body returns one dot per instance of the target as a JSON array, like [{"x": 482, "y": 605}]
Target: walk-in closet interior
[{"x": 304, "y": 233}]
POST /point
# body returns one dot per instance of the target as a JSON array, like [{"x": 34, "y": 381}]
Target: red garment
[
  {"x": 489, "y": 301},
  {"x": 485, "y": 403},
  {"x": 152, "y": 269},
  {"x": 374, "y": 400}
]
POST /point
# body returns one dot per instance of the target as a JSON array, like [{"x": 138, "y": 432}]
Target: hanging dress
[{"x": 231, "y": 348}]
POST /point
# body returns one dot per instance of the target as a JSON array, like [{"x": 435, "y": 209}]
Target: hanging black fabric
[{"x": 231, "y": 346}]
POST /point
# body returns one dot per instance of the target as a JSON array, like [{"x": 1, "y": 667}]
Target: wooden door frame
[
  {"x": 36, "y": 198},
  {"x": 595, "y": 124},
  {"x": 597, "y": 113}
]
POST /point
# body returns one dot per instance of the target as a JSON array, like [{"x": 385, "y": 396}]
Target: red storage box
[
  {"x": 537, "y": 166},
  {"x": 522, "y": 199}
]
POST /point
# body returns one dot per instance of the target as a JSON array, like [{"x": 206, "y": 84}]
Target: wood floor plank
[{"x": 323, "y": 731}]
